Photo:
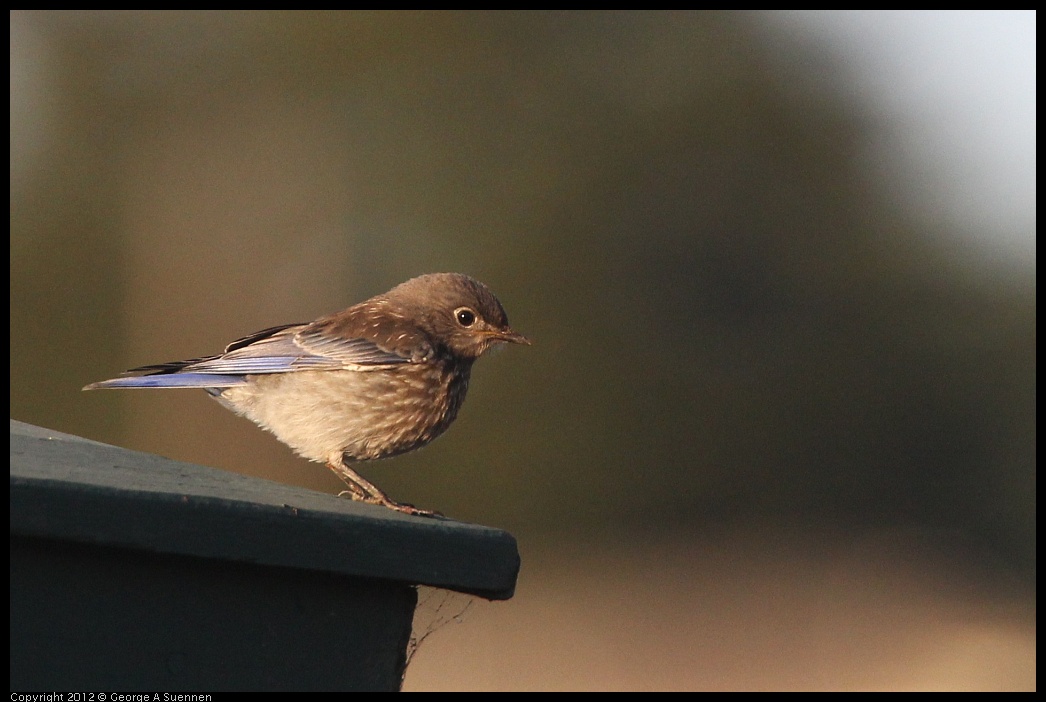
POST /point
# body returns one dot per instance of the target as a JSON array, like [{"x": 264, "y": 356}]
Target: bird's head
[{"x": 457, "y": 311}]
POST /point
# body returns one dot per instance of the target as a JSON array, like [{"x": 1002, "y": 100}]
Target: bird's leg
[{"x": 363, "y": 490}]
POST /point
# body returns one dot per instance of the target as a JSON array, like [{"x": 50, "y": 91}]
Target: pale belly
[{"x": 358, "y": 415}]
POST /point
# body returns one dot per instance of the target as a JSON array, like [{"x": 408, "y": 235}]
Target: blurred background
[{"x": 777, "y": 428}]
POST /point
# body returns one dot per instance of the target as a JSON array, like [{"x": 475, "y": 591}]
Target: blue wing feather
[
  {"x": 172, "y": 380},
  {"x": 284, "y": 349}
]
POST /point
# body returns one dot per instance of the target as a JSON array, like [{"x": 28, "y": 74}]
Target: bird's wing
[
  {"x": 173, "y": 379},
  {"x": 346, "y": 350},
  {"x": 294, "y": 348},
  {"x": 284, "y": 349}
]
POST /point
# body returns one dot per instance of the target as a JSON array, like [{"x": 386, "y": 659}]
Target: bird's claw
[{"x": 391, "y": 504}]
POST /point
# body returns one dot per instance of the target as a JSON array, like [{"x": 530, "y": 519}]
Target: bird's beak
[{"x": 509, "y": 336}]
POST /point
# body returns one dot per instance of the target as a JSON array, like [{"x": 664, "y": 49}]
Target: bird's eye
[{"x": 465, "y": 316}]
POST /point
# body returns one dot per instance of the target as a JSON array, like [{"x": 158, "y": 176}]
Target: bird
[{"x": 381, "y": 378}]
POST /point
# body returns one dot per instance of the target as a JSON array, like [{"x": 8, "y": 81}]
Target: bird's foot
[{"x": 385, "y": 501}]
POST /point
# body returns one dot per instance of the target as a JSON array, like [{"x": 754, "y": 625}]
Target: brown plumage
[{"x": 383, "y": 377}]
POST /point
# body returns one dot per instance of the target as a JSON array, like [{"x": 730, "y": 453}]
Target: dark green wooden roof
[{"x": 68, "y": 488}]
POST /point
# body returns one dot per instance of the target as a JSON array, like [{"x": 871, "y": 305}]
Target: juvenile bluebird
[{"x": 383, "y": 377}]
